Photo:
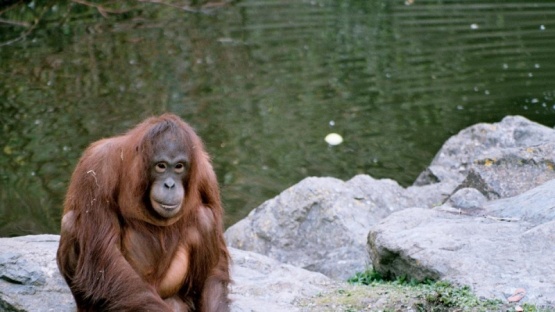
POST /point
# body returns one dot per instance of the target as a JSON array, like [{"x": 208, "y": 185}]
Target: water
[{"x": 264, "y": 82}]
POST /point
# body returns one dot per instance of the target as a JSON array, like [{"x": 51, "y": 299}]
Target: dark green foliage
[
  {"x": 370, "y": 276},
  {"x": 366, "y": 278}
]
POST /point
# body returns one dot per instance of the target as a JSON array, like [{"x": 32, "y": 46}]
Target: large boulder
[
  {"x": 30, "y": 281},
  {"x": 501, "y": 246},
  {"x": 321, "y": 224},
  {"x": 494, "y": 231},
  {"x": 500, "y": 160}
]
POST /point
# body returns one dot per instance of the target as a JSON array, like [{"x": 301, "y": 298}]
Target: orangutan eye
[
  {"x": 160, "y": 167},
  {"x": 180, "y": 167}
]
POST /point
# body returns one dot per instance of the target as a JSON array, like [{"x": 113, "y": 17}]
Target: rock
[
  {"x": 509, "y": 172},
  {"x": 494, "y": 231},
  {"x": 467, "y": 198},
  {"x": 535, "y": 206},
  {"x": 500, "y": 160},
  {"x": 29, "y": 277},
  {"x": 321, "y": 224},
  {"x": 263, "y": 284},
  {"x": 30, "y": 281},
  {"x": 507, "y": 245}
]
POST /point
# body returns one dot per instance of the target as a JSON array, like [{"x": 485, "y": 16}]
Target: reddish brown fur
[{"x": 114, "y": 253}]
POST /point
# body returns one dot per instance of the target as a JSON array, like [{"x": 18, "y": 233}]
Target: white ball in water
[{"x": 334, "y": 139}]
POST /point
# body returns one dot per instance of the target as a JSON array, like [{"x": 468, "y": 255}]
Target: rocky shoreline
[{"x": 482, "y": 214}]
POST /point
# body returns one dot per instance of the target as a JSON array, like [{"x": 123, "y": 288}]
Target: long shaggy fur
[{"x": 106, "y": 209}]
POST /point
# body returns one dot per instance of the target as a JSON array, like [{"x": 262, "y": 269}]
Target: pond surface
[{"x": 263, "y": 82}]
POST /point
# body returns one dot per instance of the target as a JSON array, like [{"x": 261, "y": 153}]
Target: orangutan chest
[{"x": 149, "y": 258}]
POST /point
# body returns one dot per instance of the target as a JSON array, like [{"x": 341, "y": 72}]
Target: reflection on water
[{"x": 264, "y": 82}]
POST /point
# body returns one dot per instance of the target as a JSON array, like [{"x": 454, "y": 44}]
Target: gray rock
[
  {"x": 266, "y": 285},
  {"x": 29, "y": 277},
  {"x": 321, "y": 224},
  {"x": 495, "y": 231},
  {"x": 508, "y": 245},
  {"x": 500, "y": 160},
  {"x": 535, "y": 206},
  {"x": 30, "y": 281},
  {"x": 467, "y": 198},
  {"x": 318, "y": 224},
  {"x": 509, "y": 172}
]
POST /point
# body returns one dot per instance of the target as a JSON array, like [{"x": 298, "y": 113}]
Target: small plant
[
  {"x": 367, "y": 277},
  {"x": 370, "y": 276}
]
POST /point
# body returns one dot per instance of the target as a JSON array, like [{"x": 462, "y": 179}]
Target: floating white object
[{"x": 334, "y": 139}]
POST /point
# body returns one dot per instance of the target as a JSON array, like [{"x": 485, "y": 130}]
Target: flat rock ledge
[
  {"x": 482, "y": 214},
  {"x": 30, "y": 281}
]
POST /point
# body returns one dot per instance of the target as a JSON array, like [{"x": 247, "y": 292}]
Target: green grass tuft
[{"x": 366, "y": 278}]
